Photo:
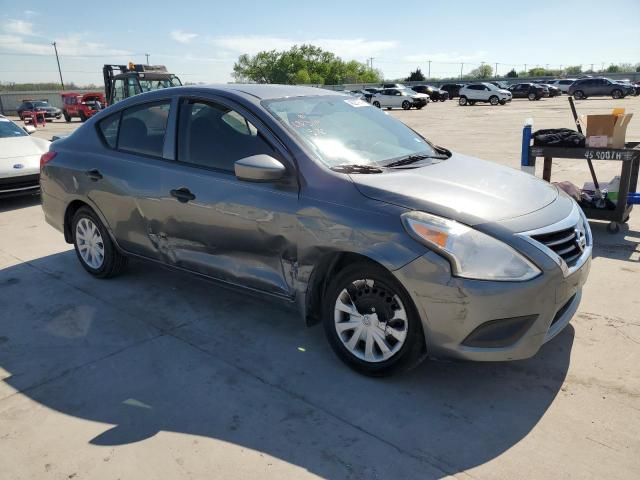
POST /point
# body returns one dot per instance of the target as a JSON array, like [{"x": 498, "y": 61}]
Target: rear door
[
  {"x": 213, "y": 223},
  {"x": 126, "y": 178}
]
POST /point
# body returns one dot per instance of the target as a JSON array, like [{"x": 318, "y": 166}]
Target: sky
[{"x": 200, "y": 40}]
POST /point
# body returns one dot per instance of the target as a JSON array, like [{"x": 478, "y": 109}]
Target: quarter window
[
  {"x": 109, "y": 129},
  {"x": 142, "y": 129},
  {"x": 214, "y": 136}
]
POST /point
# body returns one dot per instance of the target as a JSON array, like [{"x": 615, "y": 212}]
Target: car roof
[{"x": 264, "y": 91}]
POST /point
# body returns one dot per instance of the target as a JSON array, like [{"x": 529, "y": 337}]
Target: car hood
[
  {"x": 462, "y": 188},
  {"x": 22, "y": 147},
  {"x": 419, "y": 95}
]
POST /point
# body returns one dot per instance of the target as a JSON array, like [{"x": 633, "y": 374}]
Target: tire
[
  {"x": 613, "y": 227},
  {"x": 532, "y": 97},
  {"x": 462, "y": 101},
  {"x": 88, "y": 232},
  {"x": 406, "y": 105},
  {"x": 83, "y": 117},
  {"x": 472, "y": 102},
  {"x": 376, "y": 104},
  {"x": 420, "y": 107},
  {"x": 442, "y": 99},
  {"x": 617, "y": 94},
  {"x": 578, "y": 95},
  {"x": 493, "y": 100},
  {"x": 67, "y": 118},
  {"x": 376, "y": 292},
  {"x": 503, "y": 102}
]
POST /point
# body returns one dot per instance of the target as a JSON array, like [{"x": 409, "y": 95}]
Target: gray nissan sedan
[{"x": 401, "y": 248}]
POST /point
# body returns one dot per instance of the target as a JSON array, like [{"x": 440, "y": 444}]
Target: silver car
[
  {"x": 19, "y": 159},
  {"x": 400, "y": 248}
]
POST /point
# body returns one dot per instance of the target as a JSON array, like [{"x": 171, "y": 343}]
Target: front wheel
[
  {"x": 370, "y": 321},
  {"x": 616, "y": 94},
  {"x": 578, "y": 95},
  {"x": 406, "y": 105},
  {"x": 503, "y": 102},
  {"x": 493, "y": 100},
  {"x": 532, "y": 97},
  {"x": 67, "y": 117},
  {"x": 83, "y": 117},
  {"x": 462, "y": 101},
  {"x": 94, "y": 248},
  {"x": 376, "y": 104}
]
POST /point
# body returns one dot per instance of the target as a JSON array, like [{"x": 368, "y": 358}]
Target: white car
[
  {"x": 19, "y": 159},
  {"x": 483, "y": 92},
  {"x": 563, "y": 84},
  {"x": 404, "y": 98}
]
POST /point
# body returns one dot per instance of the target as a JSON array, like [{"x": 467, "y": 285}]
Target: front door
[{"x": 240, "y": 232}]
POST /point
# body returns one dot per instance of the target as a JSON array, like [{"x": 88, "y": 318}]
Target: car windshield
[
  {"x": 347, "y": 131},
  {"x": 8, "y": 129},
  {"x": 149, "y": 85}
]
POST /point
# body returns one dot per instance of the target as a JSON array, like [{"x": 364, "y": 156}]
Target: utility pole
[
  {"x": 592, "y": 68},
  {"x": 371, "y": 62},
  {"x": 461, "y": 67},
  {"x": 525, "y": 68},
  {"x": 55, "y": 48},
  {"x": 429, "y": 74},
  {"x": 495, "y": 72},
  {"x": 147, "y": 55}
]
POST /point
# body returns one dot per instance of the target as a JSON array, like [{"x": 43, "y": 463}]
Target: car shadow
[
  {"x": 623, "y": 245},
  {"x": 156, "y": 350},
  {"x": 15, "y": 203}
]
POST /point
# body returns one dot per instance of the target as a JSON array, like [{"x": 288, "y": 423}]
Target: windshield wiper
[
  {"x": 412, "y": 159},
  {"x": 353, "y": 168}
]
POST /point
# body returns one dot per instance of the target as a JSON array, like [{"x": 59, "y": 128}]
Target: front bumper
[
  {"x": 420, "y": 102},
  {"x": 453, "y": 308},
  {"x": 20, "y": 185}
]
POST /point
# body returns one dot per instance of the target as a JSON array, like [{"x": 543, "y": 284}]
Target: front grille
[
  {"x": 563, "y": 242},
  {"x": 24, "y": 181}
]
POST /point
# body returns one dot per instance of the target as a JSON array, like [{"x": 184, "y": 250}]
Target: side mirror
[
  {"x": 259, "y": 168},
  {"x": 29, "y": 129}
]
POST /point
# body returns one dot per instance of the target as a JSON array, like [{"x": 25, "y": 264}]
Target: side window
[
  {"x": 214, "y": 136},
  {"x": 143, "y": 127},
  {"x": 109, "y": 129},
  {"x": 118, "y": 90}
]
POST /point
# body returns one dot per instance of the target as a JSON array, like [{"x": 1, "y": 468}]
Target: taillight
[{"x": 46, "y": 158}]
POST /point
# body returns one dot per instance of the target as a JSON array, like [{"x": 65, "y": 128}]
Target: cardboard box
[{"x": 612, "y": 127}]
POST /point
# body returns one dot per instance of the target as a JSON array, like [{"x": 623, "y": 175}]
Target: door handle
[
  {"x": 93, "y": 174},
  {"x": 182, "y": 194}
]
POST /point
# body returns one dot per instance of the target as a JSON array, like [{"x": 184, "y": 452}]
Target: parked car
[
  {"x": 393, "y": 85},
  {"x": 401, "y": 249},
  {"x": 81, "y": 105},
  {"x": 453, "y": 89},
  {"x": 483, "y": 92},
  {"x": 563, "y": 84},
  {"x": 399, "y": 98},
  {"x": 39, "y": 106},
  {"x": 553, "y": 91},
  {"x": 599, "y": 87},
  {"x": 363, "y": 94},
  {"x": 499, "y": 84},
  {"x": 532, "y": 91},
  {"x": 435, "y": 94},
  {"x": 628, "y": 82},
  {"x": 19, "y": 159}
]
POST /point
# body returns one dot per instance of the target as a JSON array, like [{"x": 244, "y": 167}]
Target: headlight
[{"x": 472, "y": 254}]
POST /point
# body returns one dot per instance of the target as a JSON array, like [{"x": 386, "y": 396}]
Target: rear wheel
[
  {"x": 370, "y": 321},
  {"x": 617, "y": 94},
  {"x": 578, "y": 95},
  {"x": 462, "y": 101},
  {"x": 532, "y": 96},
  {"x": 493, "y": 100},
  {"x": 503, "y": 102},
  {"x": 376, "y": 104},
  {"x": 67, "y": 118},
  {"x": 472, "y": 102},
  {"x": 406, "y": 105},
  {"x": 94, "y": 248}
]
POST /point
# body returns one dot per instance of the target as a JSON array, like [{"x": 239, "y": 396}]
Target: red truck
[{"x": 82, "y": 105}]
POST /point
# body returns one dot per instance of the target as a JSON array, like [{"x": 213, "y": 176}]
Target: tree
[
  {"x": 574, "y": 70},
  {"x": 483, "y": 71},
  {"x": 416, "y": 76},
  {"x": 613, "y": 68},
  {"x": 302, "y": 64},
  {"x": 512, "y": 73},
  {"x": 537, "y": 72}
]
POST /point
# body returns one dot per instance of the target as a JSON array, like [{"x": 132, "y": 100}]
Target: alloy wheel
[{"x": 370, "y": 320}]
